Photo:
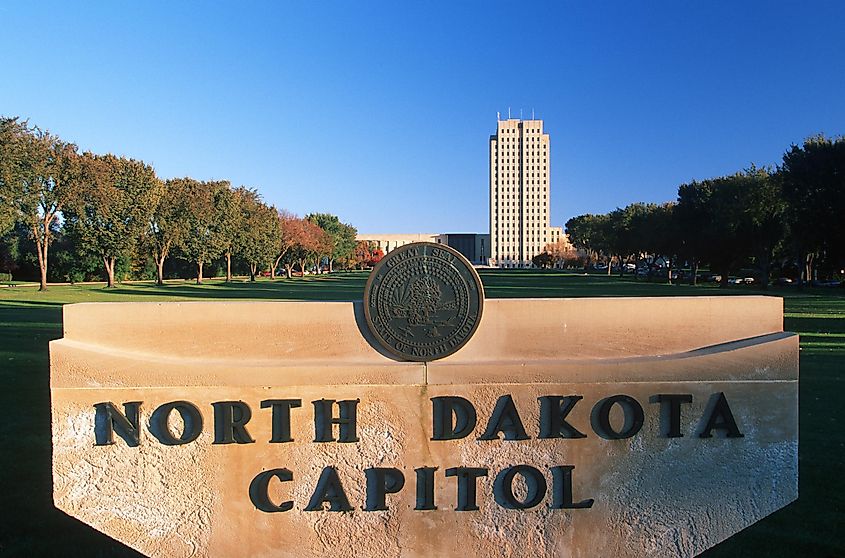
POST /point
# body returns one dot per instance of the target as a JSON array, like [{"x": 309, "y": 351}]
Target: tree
[
  {"x": 766, "y": 214},
  {"x": 112, "y": 207},
  {"x": 563, "y": 253},
  {"x": 202, "y": 240},
  {"x": 692, "y": 217},
  {"x": 288, "y": 231},
  {"x": 10, "y": 251},
  {"x": 168, "y": 223},
  {"x": 341, "y": 236},
  {"x": 723, "y": 210},
  {"x": 40, "y": 172},
  {"x": 731, "y": 219},
  {"x": 230, "y": 220},
  {"x": 320, "y": 248},
  {"x": 543, "y": 260},
  {"x": 814, "y": 189},
  {"x": 590, "y": 233},
  {"x": 310, "y": 244},
  {"x": 9, "y": 173},
  {"x": 366, "y": 254},
  {"x": 258, "y": 235}
]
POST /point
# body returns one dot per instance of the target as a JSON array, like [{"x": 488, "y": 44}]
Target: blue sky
[{"x": 381, "y": 112}]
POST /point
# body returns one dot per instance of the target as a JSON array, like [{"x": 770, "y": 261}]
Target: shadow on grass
[{"x": 31, "y": 525}]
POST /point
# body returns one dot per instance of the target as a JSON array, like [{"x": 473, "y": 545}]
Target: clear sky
[{"x": 381, "y": 112}]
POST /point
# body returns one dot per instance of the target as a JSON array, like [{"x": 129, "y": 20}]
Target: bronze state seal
[{"x": 423, "y": 301}]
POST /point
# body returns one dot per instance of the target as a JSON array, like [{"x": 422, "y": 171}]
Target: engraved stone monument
[{"x": 425, "y": 421}]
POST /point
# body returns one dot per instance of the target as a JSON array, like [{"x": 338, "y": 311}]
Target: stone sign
[{"x": 563, "y": 427}]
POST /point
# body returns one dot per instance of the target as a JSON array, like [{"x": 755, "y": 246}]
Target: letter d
[{"x": 453, "y": 418}]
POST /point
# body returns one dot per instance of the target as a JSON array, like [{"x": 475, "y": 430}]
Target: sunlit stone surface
[{"x": 648, "y": 492}]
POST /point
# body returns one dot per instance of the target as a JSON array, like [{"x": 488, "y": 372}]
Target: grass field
[{"x": 30, "y": 526}]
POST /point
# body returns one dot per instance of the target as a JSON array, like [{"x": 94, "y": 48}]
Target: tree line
[
  {"x": 787, "y": 221},
  {"x": 112, "y": 216}
]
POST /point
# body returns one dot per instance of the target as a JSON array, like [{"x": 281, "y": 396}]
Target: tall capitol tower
[{"x": 519, "y": 192}]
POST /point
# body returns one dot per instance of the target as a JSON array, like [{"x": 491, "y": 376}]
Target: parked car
[{"x": 827, "y": 283}]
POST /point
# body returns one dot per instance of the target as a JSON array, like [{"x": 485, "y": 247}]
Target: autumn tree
[
  {"x": 341, "y": 237},
  {"x": 288, "y": 227},
  {"x": 167, "y": 223},
  {"x": 202, "y": 240},
  {"x": 112, "y": 207},
  {"x": 40, "y": 173},
  {"x": 563, "y": 253},
  {"x": 258, "y": 235},
  {"x": 366, "y": 254},
  {"x": 310, "y": 244},
  {"x": 321, "y": 247}
]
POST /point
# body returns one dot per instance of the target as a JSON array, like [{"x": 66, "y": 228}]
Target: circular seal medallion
[{"x": 423, "y": 301}]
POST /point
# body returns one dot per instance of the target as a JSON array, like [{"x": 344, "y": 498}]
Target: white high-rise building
[{"x": 519, "y": 192}]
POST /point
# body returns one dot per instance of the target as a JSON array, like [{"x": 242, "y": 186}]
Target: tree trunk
[
  {"x": 609, "y": 265},
  {"x": 253, "y": 269},
  {"x": 160, "y": 271},
  {"x": 331, "y": 263},
  {"x": 765, "y": 268},
  {"x": 228, "y": 265},
  {"x": 669, "y": 270},
  {"x": 289, "y": 270},
  {"x": 801, "y": 256},
  {"x": 199, "y": 273},
  {"x": 109, "y": 262},
  {"x": 808, "y": 267},
  {"x": 159, "y": 258},
  {"x": 724, "y": 280},
  {"x": 41, "y": 248},
  {"x": 302, "y": 266},
  {"x": 695, "y": 272}
]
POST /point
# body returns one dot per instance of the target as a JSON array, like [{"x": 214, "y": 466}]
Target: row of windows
[
  {"x": 521, "y": 153},
  {"x": 514, "y": 130},
  {"x": 529, "y": 139}
]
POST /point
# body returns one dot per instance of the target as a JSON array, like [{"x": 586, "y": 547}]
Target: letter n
[{"x": 108, "y": 420}]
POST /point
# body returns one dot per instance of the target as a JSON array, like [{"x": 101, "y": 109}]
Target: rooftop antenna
[
  {"x": 520, "y": 114},
  {"x": 509, "y": 113},
  {"x": 532, "y": 113},
  {"x": 498, "y": 115}
]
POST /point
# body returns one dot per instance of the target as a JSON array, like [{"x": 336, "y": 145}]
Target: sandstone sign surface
[{"x": 567, "y": 427}]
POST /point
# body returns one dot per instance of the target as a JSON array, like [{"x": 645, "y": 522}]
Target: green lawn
[{"x": 30, "y": 525}]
